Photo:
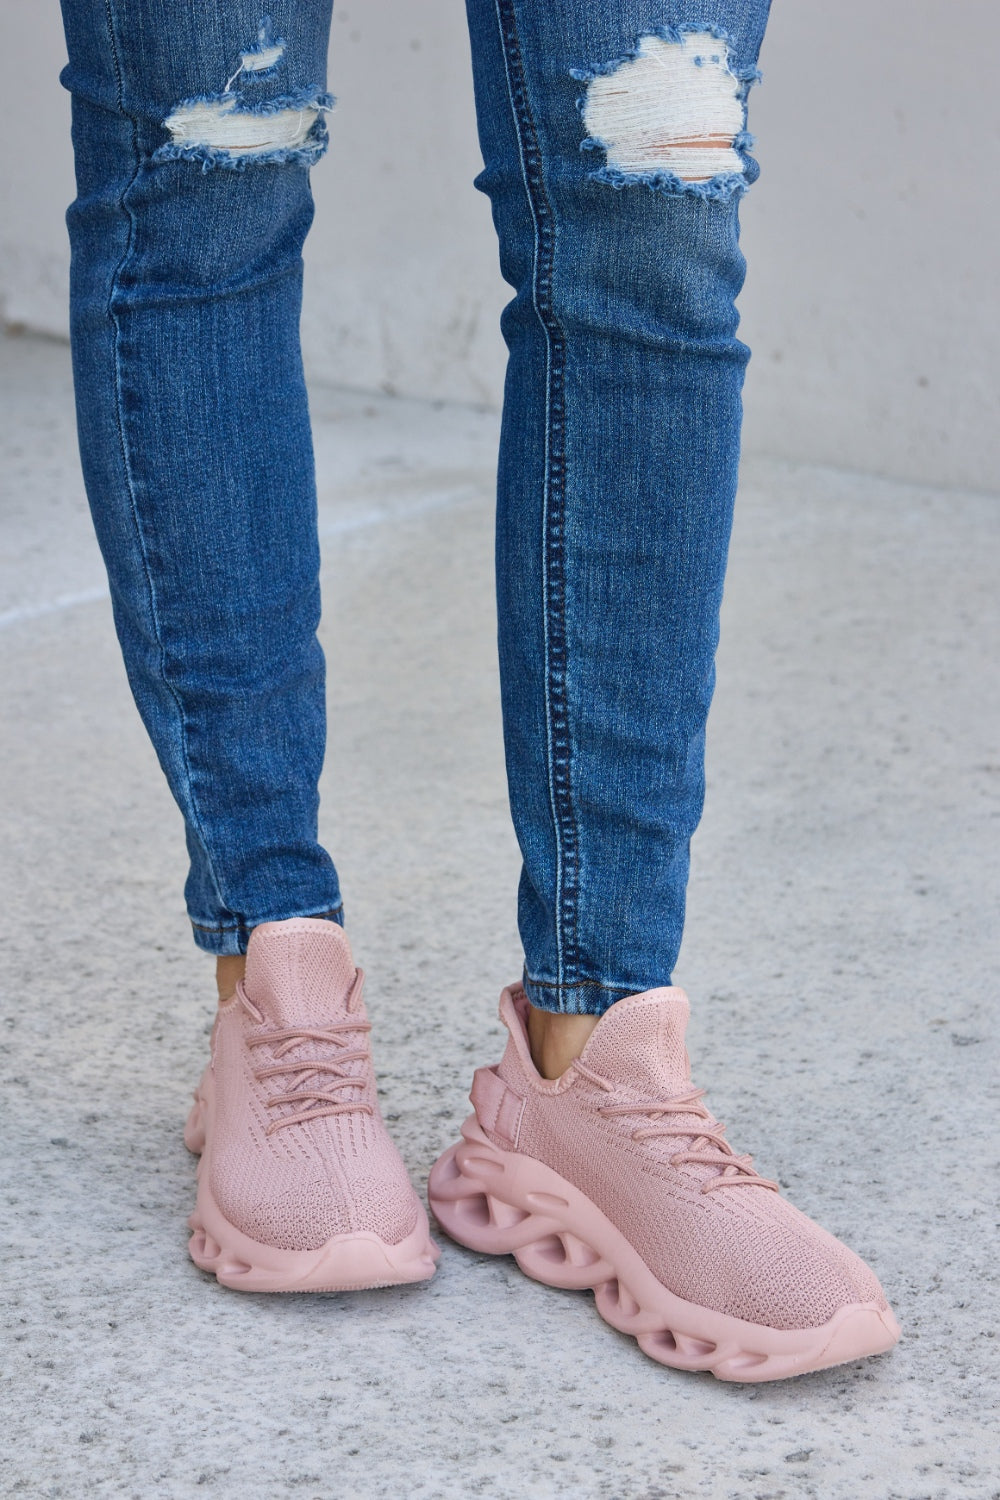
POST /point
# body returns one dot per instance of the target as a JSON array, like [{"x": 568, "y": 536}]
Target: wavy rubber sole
[
  {"x": 503, "y": 1203},
  {"x": 348, "y": 1262}
]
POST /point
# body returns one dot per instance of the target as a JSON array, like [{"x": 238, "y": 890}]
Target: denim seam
[
  {"x": 587, "y": 998},
  {"x": 129, "y": 477},
  {"x": 554, "y": 499},
  {"x": 238, "y": 926},
  {"x": 578, "y": 984}
]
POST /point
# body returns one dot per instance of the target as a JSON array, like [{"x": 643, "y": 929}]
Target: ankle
[
  {"x": 557, "y": 1040},
  {"x": 229, "y": 970}
]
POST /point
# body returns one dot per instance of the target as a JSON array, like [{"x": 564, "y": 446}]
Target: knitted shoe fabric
[
  {"x": 299, "y": 1186},
  {"x": 616, "y": 1177}
]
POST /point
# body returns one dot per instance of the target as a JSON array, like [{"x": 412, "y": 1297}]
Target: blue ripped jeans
[{"x": 615, "y": 155}]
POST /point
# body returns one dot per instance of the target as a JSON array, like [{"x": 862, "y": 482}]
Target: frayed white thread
[
  {"x": 257, "y": 62},
  {"x": 219, "y": 125},
  {"x": 263, "y": 57},
  {"x": 260, "y": 59},
  {"x": 675, "y": 107}
]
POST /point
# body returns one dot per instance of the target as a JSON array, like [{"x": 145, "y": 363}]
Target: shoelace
[
  {"x": 317, "y": 1101},
  {"x": 708, "y": 1147}
]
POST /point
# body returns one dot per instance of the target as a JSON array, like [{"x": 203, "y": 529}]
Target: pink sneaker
[
  {"x": 616, "y": 1177},
  {"x": 300, "y": 1188}
]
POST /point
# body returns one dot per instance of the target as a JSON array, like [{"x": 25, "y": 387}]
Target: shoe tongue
[
  {"x": 638, "y": 1045},
  {"x": 299, "y": 972}
]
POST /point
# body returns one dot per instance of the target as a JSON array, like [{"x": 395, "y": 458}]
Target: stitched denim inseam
[{"x": 616, "y": 478}]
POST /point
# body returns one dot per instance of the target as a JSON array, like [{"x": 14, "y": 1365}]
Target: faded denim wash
[{"x": 617, "y": 467}]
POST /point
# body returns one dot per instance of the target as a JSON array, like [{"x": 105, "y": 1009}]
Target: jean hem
[
  {"x": 228, "y": 941},
  {"x": 585, "y": 997}
]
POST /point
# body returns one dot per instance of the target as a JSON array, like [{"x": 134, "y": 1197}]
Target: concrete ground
[{"x": 841, "y": 956}]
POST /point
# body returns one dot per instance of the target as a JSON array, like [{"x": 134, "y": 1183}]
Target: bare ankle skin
[
  {"x": 557, "y": 1040},
  {"x": 229, "y": 970}
]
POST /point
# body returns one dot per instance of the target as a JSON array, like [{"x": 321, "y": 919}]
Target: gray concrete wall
[{"x": 873, "y": 304}]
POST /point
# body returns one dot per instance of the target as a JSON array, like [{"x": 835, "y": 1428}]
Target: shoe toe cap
[
  {"x": 303, "y": 1205},
  {"x": 299, "y": 1215},
  {"x": 799, "y": 1275}
]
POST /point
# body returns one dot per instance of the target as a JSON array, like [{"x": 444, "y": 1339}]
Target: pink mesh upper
[
  {"x": 738, "y": 1249},
  {"x": 297, "y": 1186}
]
